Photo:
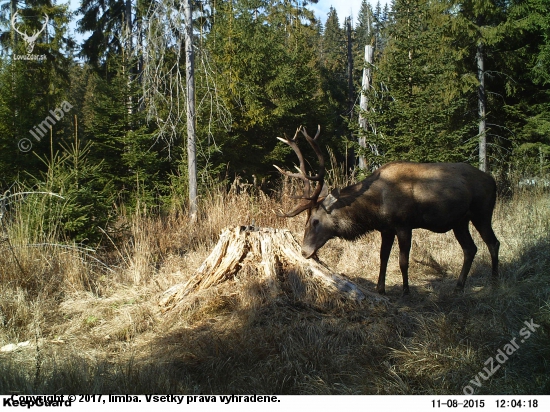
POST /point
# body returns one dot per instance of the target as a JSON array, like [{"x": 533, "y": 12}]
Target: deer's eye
[{"x": 315, "y": 222}]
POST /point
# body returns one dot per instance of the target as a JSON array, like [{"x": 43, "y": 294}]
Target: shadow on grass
[
  {"x": 240, "y": 338},
  {"x": 434, "y": 342}
]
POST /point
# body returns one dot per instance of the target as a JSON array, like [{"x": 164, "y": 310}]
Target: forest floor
[{"x": 92, "y": 327}]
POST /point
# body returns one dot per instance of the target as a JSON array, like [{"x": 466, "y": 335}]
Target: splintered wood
[{"x": 270, "y": 250}]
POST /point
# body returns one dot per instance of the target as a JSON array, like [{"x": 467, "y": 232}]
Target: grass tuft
[{"x": 93, "y": 324}]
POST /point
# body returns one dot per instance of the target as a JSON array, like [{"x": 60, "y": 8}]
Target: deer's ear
[
  {"x": 330, "y": 200},
  {"x": 324, "y": 191}
]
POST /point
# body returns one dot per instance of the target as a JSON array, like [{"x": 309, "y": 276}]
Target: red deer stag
[{"x": 394, "y": 200}]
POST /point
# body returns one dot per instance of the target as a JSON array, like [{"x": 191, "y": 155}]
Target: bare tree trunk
[
  {"x": 191, "y": 135},
  {"x": 127, "y": 56},
  {"x": 363, "y": 103},
  {"x": 363, "y": 122},
  {"x": 128, "y": 24},
  {"x": 13, "y": 38},
  {"x": 481, "y": 109}
]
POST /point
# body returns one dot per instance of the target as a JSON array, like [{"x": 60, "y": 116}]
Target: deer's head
[{"x": 318, "y": 227}]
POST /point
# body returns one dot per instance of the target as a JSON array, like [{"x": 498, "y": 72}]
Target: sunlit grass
[{"x": 96, "y": 327}]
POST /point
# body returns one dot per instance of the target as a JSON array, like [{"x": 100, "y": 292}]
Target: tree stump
[{"x": 270, "y": 249}]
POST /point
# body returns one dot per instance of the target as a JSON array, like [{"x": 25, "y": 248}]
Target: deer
[
  {"x": 30, "y": 40},
  {"x": 395, "y": 199}
]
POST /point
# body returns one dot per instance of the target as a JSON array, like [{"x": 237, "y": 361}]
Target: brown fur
[{"x": 403, "y": 196}]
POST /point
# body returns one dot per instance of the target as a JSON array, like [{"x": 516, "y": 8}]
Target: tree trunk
[
  {"x": 128, "y": 21},
  {"x": 481, "y": 109},
  {"x": 191, "y": 136},
  {"x": 127, "y": 53},
  {"x": 363, "y": 122},
  {"x": 13, "y": 39},
  {"x": 272, "y": 252}
]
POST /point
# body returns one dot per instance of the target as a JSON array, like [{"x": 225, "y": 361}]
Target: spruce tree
[
  {"x": 525, "y": 65},
  {"x": 265, "y": 58},
  {"x": 417, "y": 101},
  {"x": 34, "y": 89},
  {"x": 334, "y": 74}
]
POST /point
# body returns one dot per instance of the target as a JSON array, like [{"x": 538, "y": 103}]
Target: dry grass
[{"x": 97, "y": 329}]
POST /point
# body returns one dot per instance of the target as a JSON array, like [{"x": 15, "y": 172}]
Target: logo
[
  {"x": 39, "y": 131},
  {"x": 30, "y": 40}
]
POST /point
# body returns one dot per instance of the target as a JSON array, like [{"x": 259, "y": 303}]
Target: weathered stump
[{"x": 270, "y": 250}]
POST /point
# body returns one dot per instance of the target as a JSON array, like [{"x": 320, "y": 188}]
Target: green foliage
[
  {"x": 87, "y": 199},
  {"x": 267, "y": 78},
  {"x": 262, "y": 69},
  {"x": 105, "y": 20},
  {"x": 121, "y": 140},
  {"x": 418, "y": 103},
  {"x": 30, "y": 89},
  {"x": 67, "y": 202},
  {"x": 527, "y": 112},
  {"x": 334, "y": 75},
  {"x": 423, "y": 104}
]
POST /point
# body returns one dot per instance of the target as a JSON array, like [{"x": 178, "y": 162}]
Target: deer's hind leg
[
  {"x": 462, "y": 234},
  {"x": 486, "y": 231}
]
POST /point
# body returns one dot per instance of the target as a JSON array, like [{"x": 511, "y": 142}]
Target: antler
[
  {"x": 29, "y": 39},
  {"x": 308, "y": 201},
  {"x": 13, "y": 25}
]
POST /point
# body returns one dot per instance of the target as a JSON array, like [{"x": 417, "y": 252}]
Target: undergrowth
[{"x": 93, "y": 325}]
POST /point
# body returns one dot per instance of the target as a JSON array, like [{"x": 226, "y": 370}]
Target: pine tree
[
  {"x": 365, "y": 28},
  {"x": 480, "y": 23}
]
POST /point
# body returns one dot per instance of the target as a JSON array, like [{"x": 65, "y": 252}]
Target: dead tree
[
  {"x": 191, "y": 135},
  {"x": 267, "y": 249}
]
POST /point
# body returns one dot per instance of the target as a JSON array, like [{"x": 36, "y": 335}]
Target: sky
[{"x": 344, "y": 8}]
